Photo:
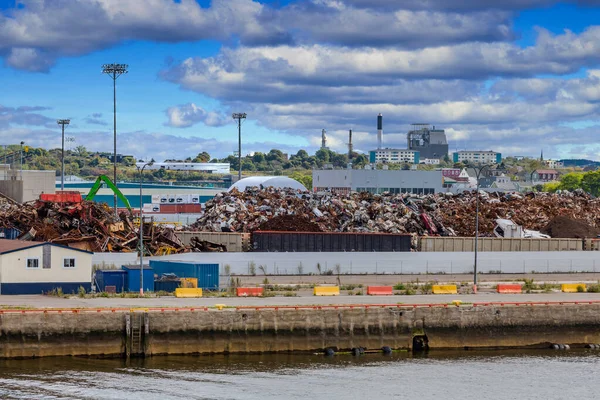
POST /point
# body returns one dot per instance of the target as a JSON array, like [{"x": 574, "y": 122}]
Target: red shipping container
[
  {"x": 169, "y": 208},
  {"x": 62, "y": 197},
  {"x": 190, "y": 208}
]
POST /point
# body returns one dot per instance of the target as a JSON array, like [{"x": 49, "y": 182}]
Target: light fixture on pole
[
  {"x": 21, "y": 158},
  {"x": 114, "y": 71},
  {"x": 140, "y": 167},
  {"x": 478, "y": 171},
  {"x": 63, "y": 122},
  {"x": 239, "y": 117}
]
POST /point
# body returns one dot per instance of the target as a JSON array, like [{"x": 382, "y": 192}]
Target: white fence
[{"x": 381, "y": 263}]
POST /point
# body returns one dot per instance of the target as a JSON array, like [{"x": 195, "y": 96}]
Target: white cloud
[{"x": 186, "y": 115}]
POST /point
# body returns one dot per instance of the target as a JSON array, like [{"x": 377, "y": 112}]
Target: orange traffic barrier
[
  {"x": 509, "y": 288},
  {"x": 379, "y": 290},
  {"x": 249, "y": 291}
]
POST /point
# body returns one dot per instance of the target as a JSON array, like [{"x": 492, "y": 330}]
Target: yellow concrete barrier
[
  {"x": 572, "y": 287},
  {"x": 444, "y": 289},
  {"x": 220, "y": 306},
  {"x": 327, "y": 291},
  {"x": 188, "y": 292}
]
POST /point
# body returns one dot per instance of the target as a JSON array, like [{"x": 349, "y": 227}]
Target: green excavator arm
[{"x": 103, "y": 178}]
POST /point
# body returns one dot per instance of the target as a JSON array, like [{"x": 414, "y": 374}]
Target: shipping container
[
  {"x": 132, "y": 283},
  {"x": 155, "y": 207},
  {"x": 189, "y": 208},
  {"x": 467, "y": 244},
  {"x": 171, "y": 199},
  {"x": 169, "y": 208},
  {"x": 235, "y": 242},
  {"x": 195, "y": 199},
  {"x": 271, "y": 241},
  {"x": 156, "y": 198},
  {"x": 62, "y": 197},
  {"x": 111, "y": 277},
  {"x": 9, "y": 233},
  {"x": 164, "y": 199},
  {"x": 207, "y": 274}
]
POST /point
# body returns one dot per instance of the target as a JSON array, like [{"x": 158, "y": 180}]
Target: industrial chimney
[
  {"x": 379, "y": 130},
  {"x": 350, "y": 147},
  {"x": 323, "y": 139}
]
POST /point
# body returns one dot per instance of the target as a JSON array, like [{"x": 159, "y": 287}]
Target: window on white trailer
[
  {"x": 33, "y": 263},
  {"x": 69, "y": 263}
]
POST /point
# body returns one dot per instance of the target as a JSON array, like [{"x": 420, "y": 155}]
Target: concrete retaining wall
[{"x": 287, "y": 330}]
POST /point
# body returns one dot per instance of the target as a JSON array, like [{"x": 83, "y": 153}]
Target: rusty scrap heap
[
  {"x": 85, "y": 225},
  {"x": 443, "y": 214}
]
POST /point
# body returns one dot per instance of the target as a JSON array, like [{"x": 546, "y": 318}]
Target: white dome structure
[{"x": 268, "y": 181}]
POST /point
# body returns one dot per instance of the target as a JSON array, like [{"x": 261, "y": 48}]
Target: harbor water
[{"x": 461, "y": 375}]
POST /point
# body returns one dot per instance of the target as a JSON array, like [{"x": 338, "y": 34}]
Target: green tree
[
  {"x": 360, "y": 161},
  {"x": 81, "y": 151},
  {"x": 551, "y": 187},
  {"x": 591, "y": 182},
  {"x": 275, "y": 155},
  {"x": 303, "y": 178},
  {"x": 202, "y": 157},
  {"x": 323, "y": 155},
  {"x": 258, "y": 157},
  {"x": 302, "y": 154},
  {"x": 571, "y": 181}
]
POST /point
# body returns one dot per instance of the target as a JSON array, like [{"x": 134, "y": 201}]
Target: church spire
[{"x": 542, "y": 155}]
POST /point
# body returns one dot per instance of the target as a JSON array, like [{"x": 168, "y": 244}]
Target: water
[{"x": 459, "y": 375}]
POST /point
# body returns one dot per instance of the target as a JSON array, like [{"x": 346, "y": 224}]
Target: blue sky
[{"x": 513, "y": 76}]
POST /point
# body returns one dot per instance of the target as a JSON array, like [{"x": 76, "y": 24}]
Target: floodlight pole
[
  {"x": 114, "y": 71},
  {"x": 239, "y": 117},
  {"x": 63, "y": 122},
  {"x": 478, "y": 171}
]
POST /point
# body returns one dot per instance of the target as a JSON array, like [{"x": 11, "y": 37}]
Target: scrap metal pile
[
  {"x": 443, "y": 214},
  {"x": 85, "y": 225}
]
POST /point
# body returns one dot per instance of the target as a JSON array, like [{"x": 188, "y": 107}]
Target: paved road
[{"x": 35, "y": 301}]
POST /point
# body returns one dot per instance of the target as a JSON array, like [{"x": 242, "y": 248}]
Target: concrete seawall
[{"x": 209, "y": 331}]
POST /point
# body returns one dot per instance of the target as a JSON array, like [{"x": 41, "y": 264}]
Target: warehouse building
[
  {"x": 394, "y": 156},
  {"x": 378, "y": 181},
  {"x": 39, "y": 267},
  {"x": 477, "y": 157},
  {"x": 25, "y": 185}
]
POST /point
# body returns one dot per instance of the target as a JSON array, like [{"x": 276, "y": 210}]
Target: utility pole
[
  {"x": 21, "y": 159},
  {"x": 239, "y": 117},
  {"x": 141, "y": 244},
  {"x": 63, "y": 122},
  {"x": 114, "y": 71}
]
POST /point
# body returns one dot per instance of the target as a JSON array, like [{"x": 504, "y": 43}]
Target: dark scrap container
[
  {"x": 272, "y": 241},
  {"x": 207, "y": 274}
]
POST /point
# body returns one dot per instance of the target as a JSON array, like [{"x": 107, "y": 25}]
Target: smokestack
[
  {"x": 379, "y": 130},
  {"x": 350, "y": 147},
  {"x": 323, "y": 139}
]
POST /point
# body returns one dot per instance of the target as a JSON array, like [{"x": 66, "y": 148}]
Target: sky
[{"x": 513, "y": 76}]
